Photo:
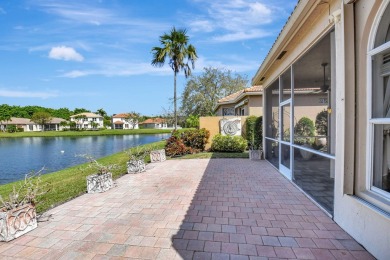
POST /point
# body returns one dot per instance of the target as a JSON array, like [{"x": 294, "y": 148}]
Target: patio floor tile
[{"x": 190, "y": 209}]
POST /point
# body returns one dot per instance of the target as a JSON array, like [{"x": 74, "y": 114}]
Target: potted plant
[
  {"x": 254, "y": 136},
  {"x": 255, "y": 152},
  {"x": 17, "y": 214},
  {"x": 304, "y": 133},
  {"x": 136, "y": 163},
  {"x": 101, "y": 181}
]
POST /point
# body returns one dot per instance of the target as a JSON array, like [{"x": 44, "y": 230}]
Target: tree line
[{"x": 29, "y": 111}]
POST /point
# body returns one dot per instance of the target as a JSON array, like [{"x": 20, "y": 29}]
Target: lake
[{"x": 19, "y": 156}]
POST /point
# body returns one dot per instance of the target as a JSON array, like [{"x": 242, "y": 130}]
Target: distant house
[
  {"x": 123, "y": 121},
  {"x": 156, "y": 123},
  {"x": 86, "y": 120},
  {"x": 29, "y": 126},
  {"x": 245, "y": 102}
]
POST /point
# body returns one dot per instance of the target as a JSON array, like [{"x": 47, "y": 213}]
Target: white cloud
[
  {"x": 26, "y": 94},
  {"x": 65, "y": 53},
  {"x": 234, "y": 20},
  {"x": 239, "y": 36},
  {"x": 110, "y": 68},
  {"x": 233, "y": 63}
]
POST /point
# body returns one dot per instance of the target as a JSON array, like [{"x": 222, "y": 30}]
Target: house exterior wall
[
  {"x": 86, "y": 122},
  {"x": 127, "y": 123},
  {"x": 255, "y": 105},
  {"x": 353, "y": 24},
  {"x": 366, "y": 223}
]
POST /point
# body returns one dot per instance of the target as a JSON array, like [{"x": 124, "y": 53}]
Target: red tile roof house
[
  {"x": 342, "y": 47},
  {"x": 156, "y": 123},
  {"x": 29, "y": 126},
  {"x": 84, "y": 120},
  {"x": 122, "y": 121},
  {"x": 244, "y": 102}
]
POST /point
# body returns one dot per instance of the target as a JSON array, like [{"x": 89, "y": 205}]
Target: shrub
[
  {"x": 19, "y": 129},
  {"x": 196, "y": 139},
  {"x": 192, "y": 121},
  {"x": 226, "y": 143},
  {"x": 259, "y": 133},
  {"x": 11, "y": 128},
  {"x": 175, "y": 147},
  {"x": 322, "y": 123},
  {"x": 254, "y": 132},
  {"x": 304, "y": 130}
]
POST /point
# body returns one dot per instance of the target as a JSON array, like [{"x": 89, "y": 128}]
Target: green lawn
[
  {"x": 71, "y": 182},
  {"x": 85, "y": 133}
]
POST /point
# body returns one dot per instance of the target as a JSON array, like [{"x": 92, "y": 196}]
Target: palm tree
[{"x": 175, "y": 46}]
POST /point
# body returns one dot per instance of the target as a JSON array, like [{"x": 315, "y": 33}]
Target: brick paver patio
[{"x": 190, "y": 209}]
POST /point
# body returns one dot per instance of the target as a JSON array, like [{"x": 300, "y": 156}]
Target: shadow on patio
[{"x": 243, "y": 209}]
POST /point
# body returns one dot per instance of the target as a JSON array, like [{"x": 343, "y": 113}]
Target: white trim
[
  {"x": 379, "y": 49},
  {"x": 371, "y": 192}
]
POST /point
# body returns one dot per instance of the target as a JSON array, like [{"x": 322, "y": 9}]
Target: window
[
  {"x": 228, "y": 111},
  {"x": 378, "y": 181}
]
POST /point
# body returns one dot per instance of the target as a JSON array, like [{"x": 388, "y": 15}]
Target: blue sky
[{"x": 97, "y": 54}]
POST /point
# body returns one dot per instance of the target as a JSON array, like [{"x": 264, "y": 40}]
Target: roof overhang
[
  {"x": 242, "y": 95},
  {"x": 297, "y": 18}
]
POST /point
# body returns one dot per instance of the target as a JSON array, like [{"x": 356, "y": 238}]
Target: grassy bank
[
  {"x": 71, "y": 182},
  {"x": 85, "y": 133}
]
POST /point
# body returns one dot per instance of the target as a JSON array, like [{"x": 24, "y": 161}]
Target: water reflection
[{"x": 19, "y": 156}]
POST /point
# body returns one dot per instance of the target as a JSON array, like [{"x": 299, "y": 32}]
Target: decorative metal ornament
[
  {"x": 158, "y": 156},
  {"x": 16, "y": 222},
  {"x": 230, "y": 126}
]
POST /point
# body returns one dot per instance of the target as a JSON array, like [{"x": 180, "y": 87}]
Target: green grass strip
[
  {"x": 71, "y": 182},
  {"x": 85, "y": 133}
]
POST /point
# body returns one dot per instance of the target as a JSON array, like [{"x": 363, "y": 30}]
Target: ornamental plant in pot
[
  {"x": 254, "y": 136},
  {"x": 101, "y": 180},
  {"x": 304, "y": 135},
  {"x": 17, "y": 214},
  {"x": 136, "y": 163}
]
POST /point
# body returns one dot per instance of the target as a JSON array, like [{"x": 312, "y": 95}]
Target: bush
[
  {"x": 192, "y": 121},
  {"x": 175, "y": 147},
  {"x": 304, "y": 130},
  {"x": 259, "y": 133},
  {"x": 19, "y": 129},
  {"x": 226, "y": 143},
  {"x": 322, "y": 123},
  {"x": 196, "y": 139},
  {"x": 11, "y": 128},
  {"x": 254, "y": 132}
]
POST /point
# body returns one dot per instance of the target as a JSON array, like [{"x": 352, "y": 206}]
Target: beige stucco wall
[
  {"x": 255, "y": 105},
  {"x": 368, "y": 225},
  {"x": 211, "y": 123}
]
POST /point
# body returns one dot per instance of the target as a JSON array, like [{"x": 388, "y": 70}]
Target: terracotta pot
[{"x": 17, "y": 222}]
